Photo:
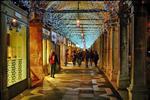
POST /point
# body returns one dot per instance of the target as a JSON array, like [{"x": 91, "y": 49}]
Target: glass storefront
[
  {"x": 16, "y": 48},
  {"x": 46, "y": 50}
]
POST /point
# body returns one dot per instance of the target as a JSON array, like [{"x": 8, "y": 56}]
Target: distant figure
[
  {"x": 53, "y": 61},
  {"x": 66, "y": 57},
  {"x": 91, "y": 57},
  {"x": 74, "y": 55},
  {"x": 87, "y": 56},
  {"x": 95, "y": 58},
  {"x": 79, "y": 58}
]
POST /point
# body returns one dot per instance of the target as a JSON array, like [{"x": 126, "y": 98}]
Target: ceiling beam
[
  {"x": 93, "y": 27},
  {"x": 84, "y": 30},
  {"x": 83, "y": 19},
  {"x": 82, "y": 0},
  {"x": 84, "y": 34},
  {"x": 84, "y": 24},
  {"x": 77, "y": 11}
]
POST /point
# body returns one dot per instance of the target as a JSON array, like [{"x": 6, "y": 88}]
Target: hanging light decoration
[
  {"x": 78, "y": 21},
  {"x": 71, "y": 28},
  {"x": 14, "y": 20}
]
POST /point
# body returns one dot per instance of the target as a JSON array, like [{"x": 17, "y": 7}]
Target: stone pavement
[{"x": 73, "y": 83}]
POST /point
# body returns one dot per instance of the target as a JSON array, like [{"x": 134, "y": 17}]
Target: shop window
[{"x": 16, "y": 51}]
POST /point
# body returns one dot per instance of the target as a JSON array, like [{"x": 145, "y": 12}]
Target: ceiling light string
[
  {"x": 97, "y": 13},
  {"x": 78, "y": 21},
  {"x": 98, "y": 32}
]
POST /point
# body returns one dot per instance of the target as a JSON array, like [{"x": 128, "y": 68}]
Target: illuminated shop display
[
  {"x": 46, "y": 37},
  {"x": 16, "y": 48}
]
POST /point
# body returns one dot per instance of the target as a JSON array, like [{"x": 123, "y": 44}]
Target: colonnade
[{"x": 123, "y": 50}]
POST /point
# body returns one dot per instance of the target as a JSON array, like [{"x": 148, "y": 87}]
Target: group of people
[{"x": 79, "y": 56}]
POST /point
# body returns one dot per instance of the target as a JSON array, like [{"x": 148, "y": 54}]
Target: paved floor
[{"x": 73, "y": 83}]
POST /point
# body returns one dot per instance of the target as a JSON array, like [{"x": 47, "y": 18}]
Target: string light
[
  {"x": 14, "y": 20},
  {"x": 78, "y": 23},
  {"x": 70, "y": 28}
]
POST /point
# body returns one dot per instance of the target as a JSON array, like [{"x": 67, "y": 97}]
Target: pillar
[
  {"x": 115, "y": 53},
  {"x": 101, "y": 51},
  {"x": 138, "y": 89},
  {"x": 109, "y": 53},
  {"x": 3, "y": 63},
  {"x": 123, "y": 78},
  {"x": 105, "y": 51}
]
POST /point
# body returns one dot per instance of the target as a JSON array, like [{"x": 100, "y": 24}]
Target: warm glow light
[
  {"x": 14, "y": 20},
  {"x": 78, "y": 23},
  {"x": 77, "y": 45},
  {"x": 82, "y": 35}
]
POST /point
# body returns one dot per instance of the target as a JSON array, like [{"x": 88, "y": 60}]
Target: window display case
[{"x": 16, "y": 51}]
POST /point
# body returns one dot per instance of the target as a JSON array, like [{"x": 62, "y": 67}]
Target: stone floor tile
[
  {"x": 86, "y": 95},
  {"x": 74, "y": 83},
  {"x": 70, "y": 97},
  {"x": 96, "y": 88},
  {"x": 109, "y": 91},
  {"x": 72, "y": 93},
  {"x": 94, "y": 81}
]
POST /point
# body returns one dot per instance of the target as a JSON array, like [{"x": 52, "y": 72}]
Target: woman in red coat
[{"x": 53, "y": 61}]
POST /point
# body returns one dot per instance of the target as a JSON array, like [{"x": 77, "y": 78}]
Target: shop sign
[
  {"x": 18, "y": 15},
  {"x": 45, "y": 31},
  {"x": 54, "y": 36},
  {"x": 60, "y": 39},
  {"x": 65, "y": 41}
]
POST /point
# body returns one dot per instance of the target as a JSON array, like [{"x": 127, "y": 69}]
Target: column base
[
  {"x": 5, "y": 95},
  {"x": 114, "y": 76},
  {"x": 123, "y": 82},
  {"x": 138, "y": 93},
  {"x": 29, "y": 83}
]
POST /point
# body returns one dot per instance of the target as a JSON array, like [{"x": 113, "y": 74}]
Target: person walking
[
  {"x": 91, "y": 57},
  {"x": 96, "y": 57},
  {"x": 66, "y": 57},
  {"x": 53, "y": 61},
  {"x": 79, "y": 58},
  {"x": 86, "y": 57},
  {"x": 74, "y": 58}
]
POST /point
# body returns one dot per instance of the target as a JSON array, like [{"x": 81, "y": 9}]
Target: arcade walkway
[
  {"x": 73, "y": 83},
  {"x": 118, "y": 30}
]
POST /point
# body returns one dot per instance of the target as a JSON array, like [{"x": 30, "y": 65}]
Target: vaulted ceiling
[{"x": 62, "y": 16}]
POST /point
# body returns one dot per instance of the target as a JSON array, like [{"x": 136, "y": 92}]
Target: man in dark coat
[
  {"x": 96, "y": 57},
  {"x": 87, "y": 56}
]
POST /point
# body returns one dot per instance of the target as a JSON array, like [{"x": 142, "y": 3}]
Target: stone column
[
  {"x": 123, "y": 78},
  {"x": 115, "y": 53},
  {"x": 102, "y": 51},
  {"x": 100, "y": 56},
  {"x": 138, "y": 89},
  {"x": 109, "y": 50},
  {"x": 3, "y": 57},
  {"x": 105, "y": 51}
]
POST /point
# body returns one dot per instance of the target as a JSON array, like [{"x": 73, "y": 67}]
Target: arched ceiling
[{"x": 62, "y": 17}]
